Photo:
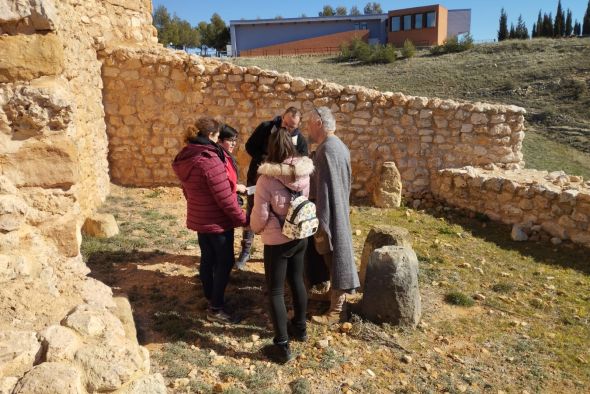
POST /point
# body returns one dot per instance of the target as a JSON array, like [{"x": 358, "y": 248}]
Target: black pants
[
  {"x": 280, "y": 262},
  {"x": 217, "y": 260}
]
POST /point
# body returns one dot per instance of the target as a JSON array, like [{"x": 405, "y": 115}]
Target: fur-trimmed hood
[{"x": 294, "y": 172}]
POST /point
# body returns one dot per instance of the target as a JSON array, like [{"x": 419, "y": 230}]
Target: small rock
[
  {"x": 255, "y": 337},
  {"x": 478, "y": 270},
  {"x": 190, "y": 247},
  {"x": 427, "y": 367},
  {"x": 407, "y": 359},
  {"x": 220, "y": 387},
  {"x": 556, "y": 241},
  {"x": 518, "y": 234},
  {"x": 479, "y": 297},
  {"x": 370, "y": 373},
  {"x": 322, "y": 344},
  {"x": 181, "y": 382},
  {"x": 464, "y": 265},
  {"x": 346, "y": 327},
  {"x": 358, "y": 232}
]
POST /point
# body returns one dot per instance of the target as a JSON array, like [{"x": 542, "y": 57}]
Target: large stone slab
[
  {"x": 391, "y": 292},
  {"x": 379, "y": 236},
  {"x": 51, "y": 378},
  {"x": 28, "y": 56}
]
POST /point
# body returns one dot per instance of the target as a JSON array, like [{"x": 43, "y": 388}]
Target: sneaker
[
  {"x": 242, "y": 260},
  {"x": 279, "y": 353},
  {"x": 296, "y": 334},
  {"x": 221, "y": 317}
]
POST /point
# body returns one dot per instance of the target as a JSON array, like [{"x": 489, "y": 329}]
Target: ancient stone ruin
[{"x": 87, "y": 97}]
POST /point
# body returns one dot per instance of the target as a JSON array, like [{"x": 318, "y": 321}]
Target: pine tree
[
  {"x": 577, "y": 29},
  {"x": 534, "y": 31},
  {"x": 521, "y": 32},
  {"x": 539, "y": 27},
  {"x": 503, "y": 30},
  {"x": 559, "y": 25},
  {"x": 512, "y": 34},
  {"x": 569, "y": 27},
  {"x": 586, "y": 21}
]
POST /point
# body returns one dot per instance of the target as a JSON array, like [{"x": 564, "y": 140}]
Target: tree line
[
  {"x": 563, "y": 25},
  {"x": 179, "y": 34},
  {"x": 371, "y": 8}
]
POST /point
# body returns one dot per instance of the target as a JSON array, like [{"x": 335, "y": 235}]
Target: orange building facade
[{"x": 424, "y": 26}]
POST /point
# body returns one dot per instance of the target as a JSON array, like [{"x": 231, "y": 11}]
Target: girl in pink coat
[{"x": 282, "y": 175}]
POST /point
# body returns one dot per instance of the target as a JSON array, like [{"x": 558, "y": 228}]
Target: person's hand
[{"x": 241, "y": 188}]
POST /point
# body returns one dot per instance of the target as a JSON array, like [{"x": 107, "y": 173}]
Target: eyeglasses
[{"x": 231, "y": 140}]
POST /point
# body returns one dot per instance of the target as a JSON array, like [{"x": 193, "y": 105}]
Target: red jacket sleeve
[{"x": 220, "y": 188}]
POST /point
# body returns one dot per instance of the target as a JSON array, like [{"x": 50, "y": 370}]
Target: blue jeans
[{"x": 217, "y": 260}]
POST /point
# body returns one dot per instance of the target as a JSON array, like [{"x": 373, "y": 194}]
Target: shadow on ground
[
  {"x": 168, "y": 303},
  {"x": 566, "y": 255}
]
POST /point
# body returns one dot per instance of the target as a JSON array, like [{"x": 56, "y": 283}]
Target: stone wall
[
  {"x": 60, "y": 331},
  {"x": 554, "y": 202},
  {"x": 151, "y": 95}
]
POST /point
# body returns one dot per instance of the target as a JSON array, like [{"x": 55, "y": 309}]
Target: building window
[
  {"x": 418, "y": 21},
  {"x": 361, "y": 26},
  {"x": 407, "y": 22},
  {"x": 430, "y": 19},
  {"x": 396, "y": 23}
]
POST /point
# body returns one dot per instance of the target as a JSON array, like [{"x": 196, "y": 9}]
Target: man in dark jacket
[{"x": 257, "y": 146}]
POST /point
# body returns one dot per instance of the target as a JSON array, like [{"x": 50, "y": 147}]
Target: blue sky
[{"x": 484, "y": 17}]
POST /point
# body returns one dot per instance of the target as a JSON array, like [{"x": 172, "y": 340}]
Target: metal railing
[{"x": 290, "y": 51}]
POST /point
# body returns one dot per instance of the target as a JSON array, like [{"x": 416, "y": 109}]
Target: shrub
[
  {"x": 409, "y": 50},
  {"x": 458, "y": 298},
  {"x": 383, "y": 54},
  {"x": 453, "y": 45},
  {"x": 366, "y": 53}
]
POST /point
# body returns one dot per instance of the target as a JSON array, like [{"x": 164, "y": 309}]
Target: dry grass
[{"x": 530, "y": 333}]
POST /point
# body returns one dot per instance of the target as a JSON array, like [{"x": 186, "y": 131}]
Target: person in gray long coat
[{"x": 330, "y": 188}]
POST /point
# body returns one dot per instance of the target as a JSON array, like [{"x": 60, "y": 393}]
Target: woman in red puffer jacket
[{"x": 212, "y": 210}]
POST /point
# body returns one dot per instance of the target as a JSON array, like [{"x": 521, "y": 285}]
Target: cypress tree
[
  {"x": 559, "y": 25},
  {"x": 521, "y": 31},
  {"x": 577, "y": 29},
  {"x": 547, "y": 30},
  {"x": 539, "y": 27},
  {"x": 503, "y": 30},
  {"x": 534, "y": 31},
  {"x": 569, "y": 27},
  {"x": 512, "y": 34},
  {"x": 586, "y": 21}
]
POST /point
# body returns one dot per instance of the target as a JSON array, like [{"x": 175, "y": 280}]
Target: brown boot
[{"x": 336, "y": 313}]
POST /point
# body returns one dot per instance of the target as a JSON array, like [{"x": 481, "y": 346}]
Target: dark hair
[
  {"x": 204, "y": 127},
  {"x": 293, "y": 111},
  {"x": 227, "y": 133},
  {"x": 280, "y": 146}
]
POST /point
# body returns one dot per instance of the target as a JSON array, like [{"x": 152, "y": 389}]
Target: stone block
[
  {"x": 101, "y": 225},
  {"x": 26, "y": 57},
  {"x": 51, "y": 378},
  {"x": 19, "y": 351},
  {"x": 150, "y": 384},
  {"x": 391, "y": 292},
  {"x": 388, "y": 191},
  {"x": 379, "y": 236}
]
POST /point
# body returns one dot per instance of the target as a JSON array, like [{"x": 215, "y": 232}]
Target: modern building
[{"x": 424, "y": 26}]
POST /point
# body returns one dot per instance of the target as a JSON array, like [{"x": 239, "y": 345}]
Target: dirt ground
[{"x": 529, "y": 333}]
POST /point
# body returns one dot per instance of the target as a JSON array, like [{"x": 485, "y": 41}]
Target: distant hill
[{"x": 550, "y": 78}]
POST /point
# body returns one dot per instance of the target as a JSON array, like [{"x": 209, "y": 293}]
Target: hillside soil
[{"x": 527, "y": 332}]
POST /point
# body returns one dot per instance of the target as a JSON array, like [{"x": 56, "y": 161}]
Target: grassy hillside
[{"x": 550, "y": 78}]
